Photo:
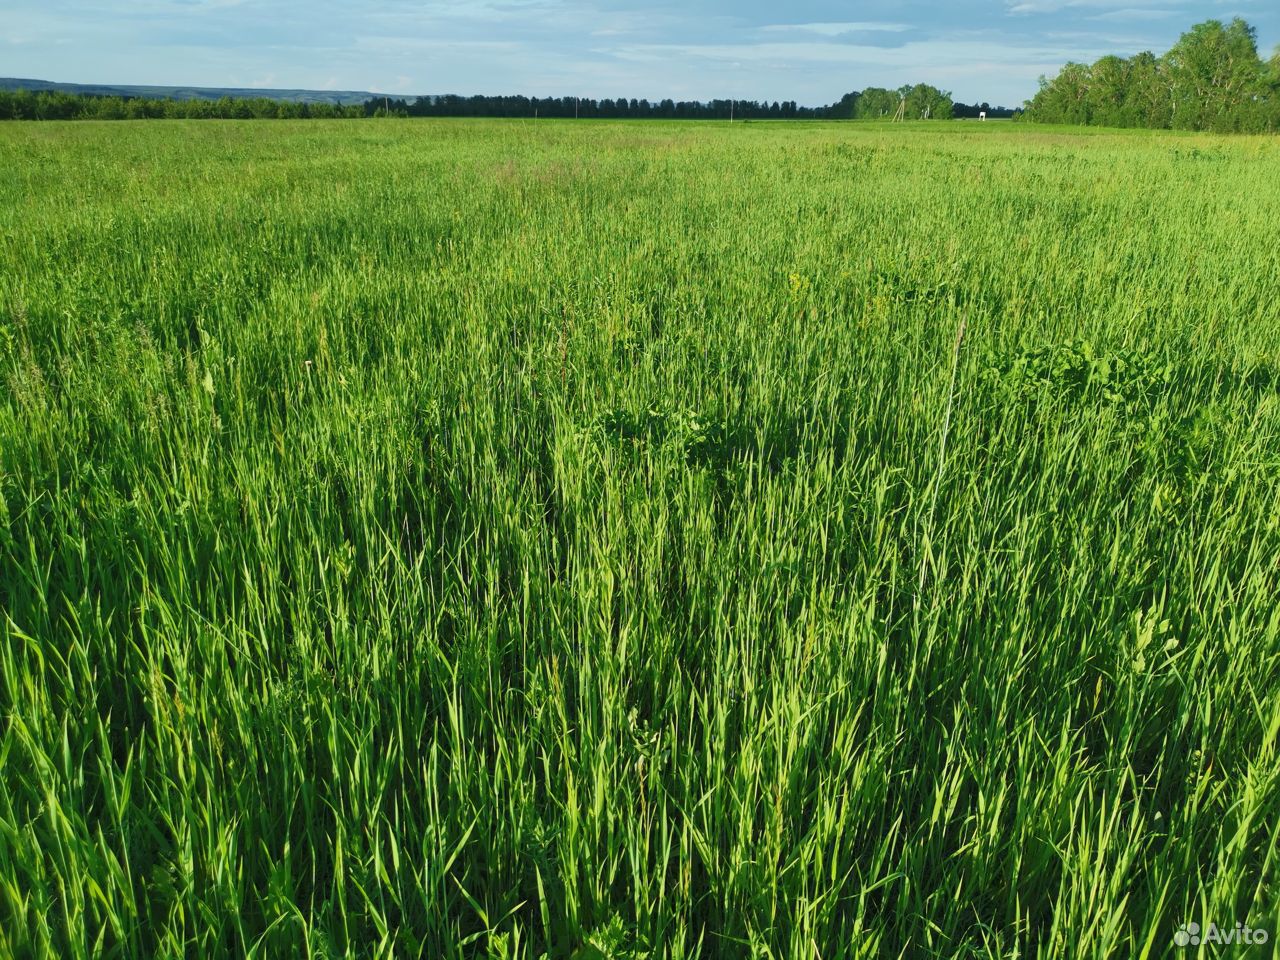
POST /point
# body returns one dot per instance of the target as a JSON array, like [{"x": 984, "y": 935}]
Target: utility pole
[
  {"x": 731, "y": 103},
  {"x": 576, "y": 102}
]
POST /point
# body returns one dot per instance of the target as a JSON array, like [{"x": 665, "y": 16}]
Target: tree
[
  {"x": 925, "y": 102},
  {"x": 1107, "y": 94},
  {"x": 1212, "y": 79},
  {"x": 1065, "y": 98},
  {"x": 876, "y": 103},
  {"x": 1214, "y": 71},
  {"x": 846, "y": 107},
  {"x": 1270, "y": 109},
  {"x": 1148, "y": 103}
]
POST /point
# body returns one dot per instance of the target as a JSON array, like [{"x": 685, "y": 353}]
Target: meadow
[{"x": 518, "y": 539}]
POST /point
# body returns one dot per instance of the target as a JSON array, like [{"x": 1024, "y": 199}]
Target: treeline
[
  {"x": 921, "y": 101},
  {"x": 1212, "y": 79},
  {"x": 452, "y": 105},
  {"x": 972, "y": 111},
  {"x": 55, "y": 105},
  {"x": 917, "y": 102}
]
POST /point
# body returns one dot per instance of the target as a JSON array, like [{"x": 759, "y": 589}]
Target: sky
[{"x": 810, "y": 51}]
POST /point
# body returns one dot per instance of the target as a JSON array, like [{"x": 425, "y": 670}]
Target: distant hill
[{"x": 339, "y": 97}]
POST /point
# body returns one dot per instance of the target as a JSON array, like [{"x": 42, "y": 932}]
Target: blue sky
[{"x": 811, "y": 51}]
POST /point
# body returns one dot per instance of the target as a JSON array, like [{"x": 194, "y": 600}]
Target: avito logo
[{"x": 1192, "y": 935}]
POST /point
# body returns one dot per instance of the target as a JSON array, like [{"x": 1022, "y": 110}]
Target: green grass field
[{"x": 507, "y": 539}]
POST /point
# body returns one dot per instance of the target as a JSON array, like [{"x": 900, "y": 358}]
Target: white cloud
[
  {"x": 1134, "y": 15},
  {"x": 835, "y": 29},
  {"x": 1056, "y": 6},
  {"x": 938, "y": 52}
]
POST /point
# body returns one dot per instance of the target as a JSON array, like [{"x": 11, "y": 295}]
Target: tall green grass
[{"x": 453, "y": 539}]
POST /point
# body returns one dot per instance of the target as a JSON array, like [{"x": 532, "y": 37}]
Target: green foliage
[
  {"x": 1212, "y": 79},
  {"x": 55, "y": 105},
  {"x": 1215, "y": 77},
  {"x": 1124, "y": 378},
  {"x": 492, "y": 539},
  {"x": 919, "y": 102},
  {"x": 923, "y": 102}
]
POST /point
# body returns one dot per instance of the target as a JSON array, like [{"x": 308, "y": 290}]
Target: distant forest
[
  {"x": 920, "y": 101},
  {"x": 58, "y": 105},
  {"x": 1213, "y": 79}
]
